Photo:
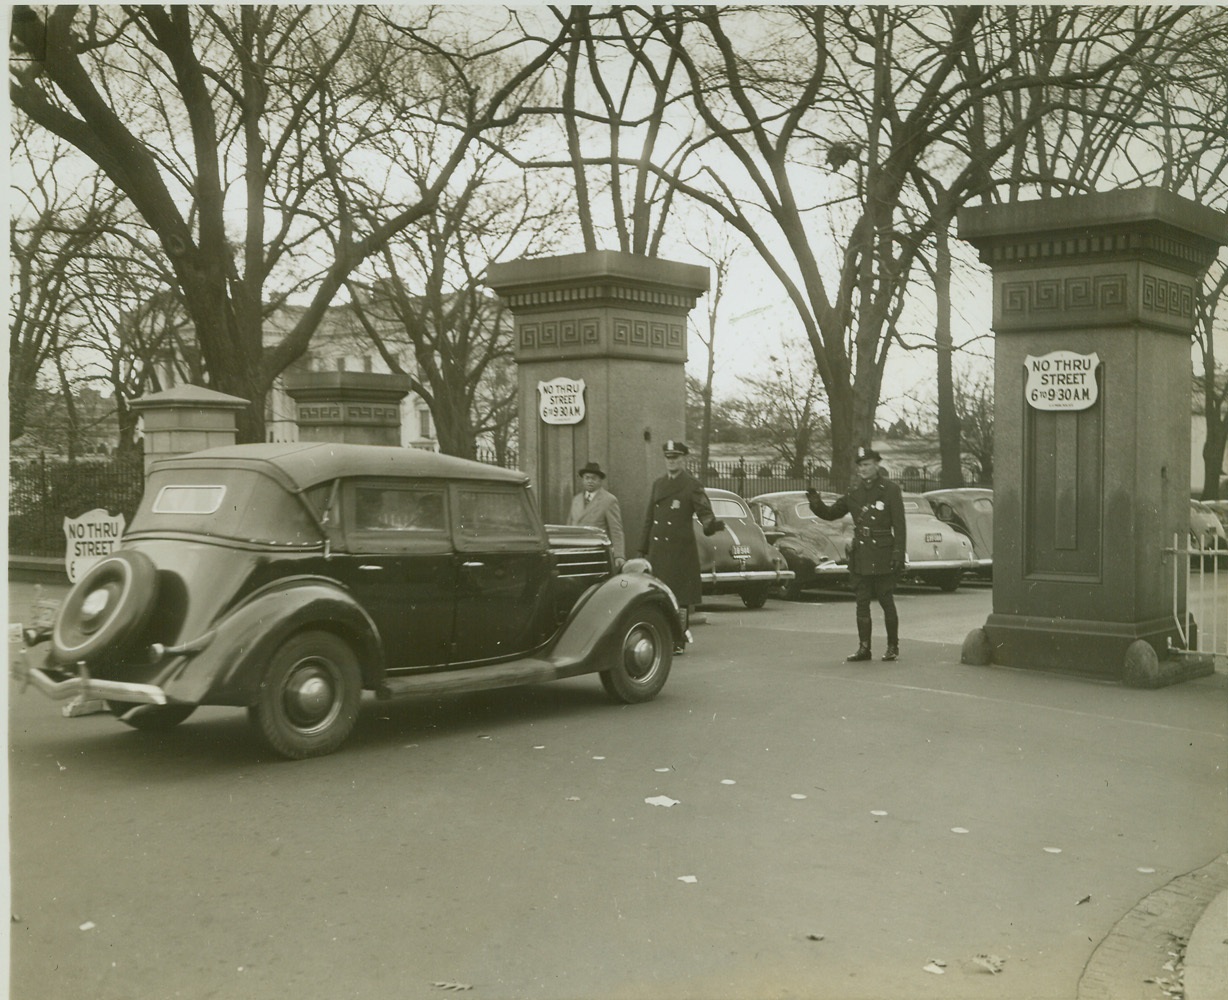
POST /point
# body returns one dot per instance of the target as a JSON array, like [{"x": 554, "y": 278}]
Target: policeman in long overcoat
[
  {"x": 669, "y": 540},
  {"x": 880, "y": 536}
]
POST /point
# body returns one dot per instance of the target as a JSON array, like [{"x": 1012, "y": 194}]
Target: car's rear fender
[
  {"x": 601, "y": 610},
  {"x": 228, "y": 670}
]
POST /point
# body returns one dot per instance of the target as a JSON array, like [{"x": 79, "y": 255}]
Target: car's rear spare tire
[
  {"x": 309, "y": 696},
  {"x": 642, "y": 658},
  {"x": 107, "y": 609}
]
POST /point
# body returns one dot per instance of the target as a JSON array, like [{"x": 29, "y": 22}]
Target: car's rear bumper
[
  {"x": 61, "y": 684},
  {"x": 932, "y": 565},
  {"x": 747, "y": 576}
]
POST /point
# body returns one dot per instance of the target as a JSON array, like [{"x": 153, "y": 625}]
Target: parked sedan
[
  {"x": 288, "y": 578},
  {"x": 816, "y": 550},
  {"x": 1206, "y": 533},
  {"x": 738, "y": 559},
  {"x": 969, "y": 509}
]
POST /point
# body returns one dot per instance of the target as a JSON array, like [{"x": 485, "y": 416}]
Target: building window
[
  {"x": 424, "y": 424},
  {"x": 340, "y": 363},
  {"x": 366, "y": 363}
]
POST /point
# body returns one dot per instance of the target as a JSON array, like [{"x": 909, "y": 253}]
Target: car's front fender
[
  {"x": 598, "y": 614},
  {"x": 228, "y": 670}
]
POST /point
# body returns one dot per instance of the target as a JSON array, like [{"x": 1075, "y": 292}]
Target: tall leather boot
[
  {"x": 863, "y": 638},
  {"x": 893, "y": 638}
]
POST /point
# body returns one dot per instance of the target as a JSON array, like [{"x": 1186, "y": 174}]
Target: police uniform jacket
[
  {"x": 602, "y": 512},
  {"x": 880, "y": 533},
  {"x": 669, "y": 538}
]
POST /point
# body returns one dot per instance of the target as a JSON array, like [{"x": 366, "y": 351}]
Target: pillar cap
[
  {"x": 194, "y": 396},
  {"x": 580, "y": 268},
  {"x": 348, "y": 385},
  {"x": 1147, "y": 221}
]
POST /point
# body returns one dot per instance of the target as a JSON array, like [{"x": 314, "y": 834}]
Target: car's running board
[{"x": 495, "y": 675}]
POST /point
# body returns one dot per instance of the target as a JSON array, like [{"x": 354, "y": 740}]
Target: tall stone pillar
[
  {"x": 601, "y": 347},
  {"x": 1093, "y": 311},
  {"x": 186, "y": 418},
  {"x": 348, "y": 407}
]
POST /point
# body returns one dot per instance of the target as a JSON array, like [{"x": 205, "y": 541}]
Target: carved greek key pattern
[
  {"x": 1174, "y": 298},
  {"x": 315, "y": 413},
  {"x": 1024, "y": 299}
]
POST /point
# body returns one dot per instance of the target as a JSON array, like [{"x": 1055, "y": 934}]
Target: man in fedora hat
[
  {"x": 597, "y": 506},
  {"x": 669, "y": 540},
  {"x": 876, "y": 556}
]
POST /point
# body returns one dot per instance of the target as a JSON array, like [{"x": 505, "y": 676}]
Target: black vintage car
[{"x": 288, "y": 578}]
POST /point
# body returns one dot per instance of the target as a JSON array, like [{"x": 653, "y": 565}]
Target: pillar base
[{"x": 1086, "y": 648}]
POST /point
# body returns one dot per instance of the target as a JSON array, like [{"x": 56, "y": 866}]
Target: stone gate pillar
[
  {"x": 1093, "y": 311},
  {"x": 348, "y": 407},
  {"x": 186, "y": 418},
  {"x": 615, "y": 322}
]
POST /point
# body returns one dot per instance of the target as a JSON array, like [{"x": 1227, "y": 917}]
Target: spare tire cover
[{"x": 106, "y": 609}]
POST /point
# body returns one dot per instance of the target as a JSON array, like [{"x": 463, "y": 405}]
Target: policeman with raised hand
[
  {"x": 669, "y": 541},
  {"x": 876, "y": 556}
]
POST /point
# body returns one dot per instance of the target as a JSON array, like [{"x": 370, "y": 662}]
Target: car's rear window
[
  {"x": 724, "y": 507},
  {"x": 239, "y": 504},
  {"x": 188, "y": 499}
]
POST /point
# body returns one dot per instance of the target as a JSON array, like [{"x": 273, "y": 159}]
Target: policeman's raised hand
[{"x": 713, "y": 526}]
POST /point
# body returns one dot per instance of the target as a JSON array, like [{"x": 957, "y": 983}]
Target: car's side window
[
  {"x": 380, "y": 508},
  {"x": 765, "y": 515},
  {"x": 492, "y": 515}
]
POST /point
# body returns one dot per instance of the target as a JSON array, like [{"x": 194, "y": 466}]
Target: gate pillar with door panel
[
  {"x": 601, "y": 341},
  {"x": 1093, "y": 312}
]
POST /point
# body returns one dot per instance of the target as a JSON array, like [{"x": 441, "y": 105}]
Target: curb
[
  {"x": 1206, "y": 956},
  {"x": 1128, "y": 963}
]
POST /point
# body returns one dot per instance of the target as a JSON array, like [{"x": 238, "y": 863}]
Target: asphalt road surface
[{"x": 836, "y": 829}]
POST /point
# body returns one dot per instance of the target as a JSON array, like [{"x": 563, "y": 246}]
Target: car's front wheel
[
  {"x": 642, "y": 658},
  {"x": 309, "y": 697},
  {"x": 149, "y": 718}
]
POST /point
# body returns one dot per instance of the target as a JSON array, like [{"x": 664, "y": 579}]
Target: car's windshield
[{"x": 239, "y": 504}]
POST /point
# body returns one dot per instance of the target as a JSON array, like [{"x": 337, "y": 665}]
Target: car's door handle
[
  {"x": 473, "y": 565},
  {"x": 370, "y": 566}
]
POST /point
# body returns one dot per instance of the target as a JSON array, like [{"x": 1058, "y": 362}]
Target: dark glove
[
  {"x": 897, "y": 567},
  {"x": 713, "y": 526},
  {"x": 812, "y": 494}
]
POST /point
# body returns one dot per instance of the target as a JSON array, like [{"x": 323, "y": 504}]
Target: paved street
[{"x": 901, "y": 814}]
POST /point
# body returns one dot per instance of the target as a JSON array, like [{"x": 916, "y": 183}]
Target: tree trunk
[
  {"x": 1213, "y": 455},
  {"x": 950, "y": 446}
]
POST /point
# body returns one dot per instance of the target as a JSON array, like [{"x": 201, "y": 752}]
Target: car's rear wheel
[
  {"x": 948, "y": 580},
  {"x": 755, "y": 595},
  {"x": 642, "y": 658},
  {"x": 106, "y": 609},
  {"x": 309, "y": 697},
  {"x": 149, "y": 718}
]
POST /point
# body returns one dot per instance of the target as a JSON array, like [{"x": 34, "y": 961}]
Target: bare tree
[
  {"x": 786, "y": 409},
  {"x": 812, "y": 120},
  {"x": 56, "y": 220},
  {"x": 423, "y": 301},
  {"x": 721, "y": 252},
  {"x": 234, "y": 131}
]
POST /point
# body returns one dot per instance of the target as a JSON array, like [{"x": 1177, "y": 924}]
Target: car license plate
[
  {"x": 740, "y": 551},
  {"x": 933, "y": 536}
]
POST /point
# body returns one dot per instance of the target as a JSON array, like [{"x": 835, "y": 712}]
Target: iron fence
[
  {"x": 750, "y": 478},
  {"x": 42, "y": 492}
]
